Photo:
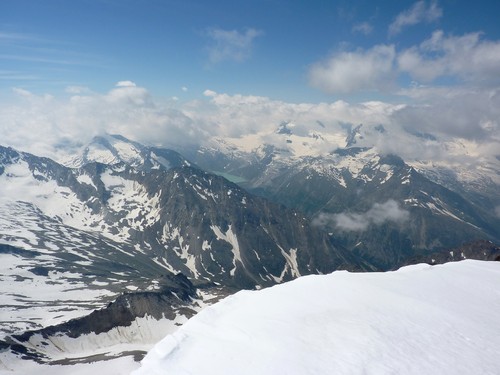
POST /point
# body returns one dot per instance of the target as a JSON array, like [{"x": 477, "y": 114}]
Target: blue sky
[{"x": 269, "y": 48}]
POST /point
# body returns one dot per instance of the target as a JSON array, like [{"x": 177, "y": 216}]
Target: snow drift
[{"x": 418, "y": 320}]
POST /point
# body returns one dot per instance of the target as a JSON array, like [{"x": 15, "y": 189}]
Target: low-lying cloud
[
  {"x": 463, "y": 126},
  {"x": 378, "y": 214},
  {"x": 41, "y": 124}
]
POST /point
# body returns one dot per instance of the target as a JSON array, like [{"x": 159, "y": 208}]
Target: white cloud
[
  {"x": 347, "y": 72},
  {"x": 38, "y": 123},
  {"x": 230, "y": 45},
  {"x": 468, "y": 114},
  {"x": 41, "y": 123},
  {"x": 417, "y": 13},
  {"x": 237, "y": 115},
  {"x": 128, "y": 93},
  {"x": 184, "y": 88},
  {"x": 209, "y": 93},
  {"x": 467, "y": 121},
  {"x": 363, "y": 28},
  {"x": 378, "y": 214},
  {"x": 466, "y": 57},
  {"x": 125, "y": 84}
]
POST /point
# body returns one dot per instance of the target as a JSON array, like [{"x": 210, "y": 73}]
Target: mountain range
[
  {"x": 184, "y": 227},
  {"x": 377, "y": 205}
]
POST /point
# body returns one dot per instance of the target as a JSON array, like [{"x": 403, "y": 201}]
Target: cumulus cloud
[
  {"x": 346, "y": 72},
  {"x": 419, "y": 12},
  {"x": 466, "y": 57},
  {"x": 378, "y": 214},
  {"x": 126, "y": 84},
  {"x": 209, "y": 93},
  {"x": 129, "y": 93},
  {"x": 230, "y": 45}
]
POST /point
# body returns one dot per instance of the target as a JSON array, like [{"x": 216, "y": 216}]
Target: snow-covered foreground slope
[{"x": 417, "y": 320}]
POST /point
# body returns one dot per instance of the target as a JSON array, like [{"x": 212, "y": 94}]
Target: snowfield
[{"x": 418, "y": 320}]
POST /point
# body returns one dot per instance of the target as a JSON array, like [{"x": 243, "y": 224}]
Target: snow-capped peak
[{"x": 109, "y": 149}]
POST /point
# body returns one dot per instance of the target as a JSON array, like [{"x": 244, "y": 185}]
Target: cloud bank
[
  {"x": 457, "y": 127},
  {"x": 52, "y": 127},
  {"x": 378, "y": 214}
]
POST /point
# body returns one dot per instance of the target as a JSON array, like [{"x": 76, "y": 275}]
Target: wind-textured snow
[{"x": 418, "y": 320}]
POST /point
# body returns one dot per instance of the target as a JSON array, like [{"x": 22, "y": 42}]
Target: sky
[
  {"x": 158, "y": 69},
  {"x": 275, "y": 48}
]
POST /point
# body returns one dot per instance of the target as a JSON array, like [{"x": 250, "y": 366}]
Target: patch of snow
[
  {"x": 85, "y": 179},
  {"x": 161, "y": 160},
  {"x": 231, "y": 238},
  {"x": 291, "y": 265},
  {"x": 206, "y": 246},
  {"x": 387, "y": 169}
]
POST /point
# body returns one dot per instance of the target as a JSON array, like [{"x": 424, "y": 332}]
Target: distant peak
[
  {"x": 284, "y": 128},
  {"x": 353, "y": 135}
]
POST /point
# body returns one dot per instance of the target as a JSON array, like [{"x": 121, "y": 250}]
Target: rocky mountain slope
[
  {"x": 377, "y": 205},
  {"x": 73, "y": 239},
  {"x": 179, "y": 218}
]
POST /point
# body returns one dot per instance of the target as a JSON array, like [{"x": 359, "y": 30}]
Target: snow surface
[{"x": 418, "y": 320}]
